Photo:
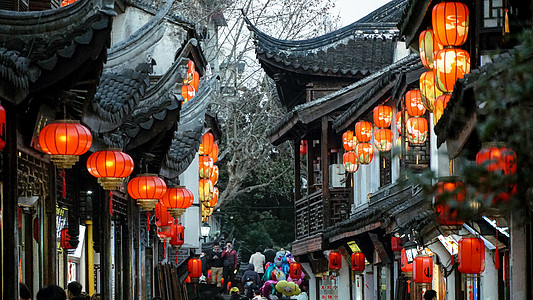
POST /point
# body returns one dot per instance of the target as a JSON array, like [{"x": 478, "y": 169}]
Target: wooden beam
[
  {"x": 324, "y": 157},
  {"x": 310, "y": 172}
]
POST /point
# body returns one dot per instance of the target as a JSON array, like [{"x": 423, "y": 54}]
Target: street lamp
[
  {"x": 204, "y": 230},
  {"x": 411, "y": 251}
]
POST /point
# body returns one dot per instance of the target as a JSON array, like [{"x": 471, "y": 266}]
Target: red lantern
[
  {"x": 429, "y": 90},
  {"x": 358, "y": 262},
  {"x": 349, "y": 159},
  {"x": 399, "y": 121},
  {"x": 163, "y": 233},
  {"x": 422, "y": 269},
  {"x": 413, "y": 103},
  {"x": 450, "y": 23},
  {"x": 471, "y": 255},
  {"x": 214, "y": 200},
  {"x": 383, "y": 139},
  {"x": 162, "y": 218},
  {"x": 448, "y": 188},
  {"x": 417, "y": 130},
  {"x": 450, "y": 65},
  {"x": 382, "y": 116},
  {"x": 177, "y": 200},
  {"x": 335, "y": 260},
  {"x": 497, "y": 158},
  {"x": 110, "y": 167},
  {"x": 67, "y": 2},
  {"x": 147, "y": 189},
  {"x": 214, "y": 152},
  {"x": 348, "y": 141},
  {"x": 440, "y": 105},
  {"x": 303, "y": 147},
  {"x": 427, "y": 46},
  {"x": 295, "y": 271},
  {"x": 214, "y": 174},
  {"x": 406, "y": 267},
  {"x": 364, "y": 153},
  {"x": 204, "y": 166},
  {"x": 395, "y": 243},
  {"x": 363, "y": 131},
  {"x": 65, "y": 141},
  {"x": 2, "y": 127},
  {"x": 64, "y": 241},
  {"x": 195, "y": 267},
  {"x": 177, "y": 235},
  {"x": 195, "y": 80},
  {"x": 207, "y": 144},
  {"x": 205, "y": 190},
  {"x": 187, "y": 279},
  {"x": 187, "y": 92}
]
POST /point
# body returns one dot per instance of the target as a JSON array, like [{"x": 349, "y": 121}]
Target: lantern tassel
[
  {"x": 409, "y": 286},
  {"x": 111, "y": 202},
  {"x": 165, "y": 246},
  {"x": 506, "y": 22},
  {"x": 64, "y": 190},
  {"x": 147, "y": 221},
  {"x": 452, "y": 262},
  {"x": 496, "y": 259}
]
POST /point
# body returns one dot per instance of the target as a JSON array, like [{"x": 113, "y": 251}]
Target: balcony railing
[{"x": 312, "y": 218}]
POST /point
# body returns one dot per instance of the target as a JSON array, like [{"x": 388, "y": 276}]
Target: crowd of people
[{"x": 54, "y": 292}]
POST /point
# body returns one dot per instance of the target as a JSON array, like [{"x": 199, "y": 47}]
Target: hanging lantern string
[
  {"x": 64, "y": 190},
  {"x": 111, "y": 202},
  {"x": 147, "y": 221}
]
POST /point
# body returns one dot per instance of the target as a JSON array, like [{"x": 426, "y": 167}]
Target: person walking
[
  {"x": 74, "y": 291},
  {"x": 269, "y": 253},
  {"x": 217, "y": 264},
  {"x": 51, "y": 292},
  {"x": 251, "y": 281},
  {"x": 430, "y": 295},
  {"x": 259, "y": 261},
  {"x": 229, "y": 261}
]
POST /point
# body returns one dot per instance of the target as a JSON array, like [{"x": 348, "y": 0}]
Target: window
[{"x": 492, "y": 13}]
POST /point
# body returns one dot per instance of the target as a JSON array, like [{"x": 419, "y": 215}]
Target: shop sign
[{"x": 329, "y": 288}]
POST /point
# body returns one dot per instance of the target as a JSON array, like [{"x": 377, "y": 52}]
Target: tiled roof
[
  {"x": 413, "y": 15},
  {"x": 390, "y": 12}
]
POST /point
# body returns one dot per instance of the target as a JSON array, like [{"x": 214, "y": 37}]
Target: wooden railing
[{"x": 311, "y": 217}]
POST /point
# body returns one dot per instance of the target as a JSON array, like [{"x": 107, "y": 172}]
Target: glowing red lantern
[
  {"x": 110, "y": 167},
  {"x": 65, "y": 141},
  {"x": 440, "y": 105},
  {"x": 187, "y": 279},
  {"x": 187, "y": 92},
  {"x": 497, "y": 158},
  {"x": 163, "y": 219},
  {"x": 207, "y": 144},
  {"x": 205, "y": 190},
  {"x": 395, "y": 243},
  {"x": 295, "y": 271},
  {"x": 413, "y": 103},
  {"x": 348, "y": 141},
  {"x": 349, "y": 159},
  {"x": 2, "y": 127},
  {"x": 382, "y": 116},
  {"x": 417, "y": 130},
  {"x": 399, "y": 121},
  {"x": 422, "y": 269},
  {"x": 406, "y": 267},
  {"x": 163, "y": 233},
  {"x": 450, "y": 64},
  {"x": 214, "y": 174},
  {"x": 429, "y": 90},
  {"x": 67, "y": 2},
  {"x": 450, "y": 23},
  {"x": 358, "y": 262},
  {"x": 204, "y": 166},
  {"x": 335, "y": 260},
  {"x": 383, "y": 139},
  {"x": 195, "y": 80},
  {"x": 64, "y": 241},
  {"x": 214, "y": 200},
  {"x": 363, "y": 131},
  {"x": 177, "y": 235},
  {"x": 177, "y": 200},
  {"x": 364, "y": 153},
  {"x": 303, "y": 147},
  {"x": 446, "y": 189},
  {"x": 147, "y": 189},
  {"x": 427, "y": 46},
  {"x": 195, "y": 267},
  {"x": 214, "y": 152},
  {"x": 471, "y": 255}
]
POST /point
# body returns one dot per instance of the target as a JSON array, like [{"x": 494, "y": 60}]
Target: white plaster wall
[
  {"x": 489, "y": 278},
  {"x": 369, "y": 283},
  {"x": 517, "y": 257},
  {"x": 400, "y": 51},
  {"x": 439, "y": 162},
  {"x": 192, "y": 217},
  {"x": 344, "y": 281},
  {"x": 445, "y": 258},
  {"x": 366, "y": 180},
  {"x": 312, "y": 280}
]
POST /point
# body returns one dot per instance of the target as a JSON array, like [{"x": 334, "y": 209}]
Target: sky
[{"x": 353, "y": 10}]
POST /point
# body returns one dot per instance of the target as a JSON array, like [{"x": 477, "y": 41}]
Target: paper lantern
[
  {"x": 177, "y": 200},
  {"x": 65, "y": 141},
  {"x": 448, "y": 189},
  {"x": 358, "y": 262},
  {"x": 348, "y": 141},
  {"x": 440, "y": 105},
  {"x": 214, "y": 174},
  {"x": 205, "y": 190},
  {"x": 214, "y": 152},
  {"x": 406, "y": 267},
  {"x": 295, "y": 271},
  {"x": 382, "y": 116},
  {"x": 2, "y": 127},
  {"x": 163, "y": 233},
  {"x": 177, "y": 235},
  {"x": 413, "y": 103},
  {"x": 187, "y": 92},
  {"x": 450, "y": 22},
  {"x": 417, "y": 130},
  {"x": 471, "y": 255},
  {"x": 163, "y": 218},
  {"x": 383, "y": 139},
  {"x": 110, "y": 167},
  {"x": 147, "y": 189},
  {"x": 67, "y": 2},
  {"x": 363, "y": 131},
  {"x": 395, "y": 243},
  {"x": 303, "y": 147},
  {"x": 497, "y": 158},
  {"x": 213, "y": 202},
  {"x": 427, "y": 46},
  {"x": 207, "y": 144},
  {"x": 450, "y": 64},
  {"x": 190, "y": 68},
  {"x": 195, "y": 267},
  {"x": 364, "y": 153},
  {"x": 428, "y": 90},
  {"x": 335, "y": 260},
  {"x": 423, "y": 269},
  {"x": 349, "y": 159},
  {"x": 195, "y": 80},
  {"x": 399, "y": 121},
  {"x": 205, "y": 163}
]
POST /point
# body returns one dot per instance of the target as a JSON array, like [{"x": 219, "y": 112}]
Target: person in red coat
[{"x": 229, "y": 259}]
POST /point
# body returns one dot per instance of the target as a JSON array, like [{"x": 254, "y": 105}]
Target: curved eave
[{"x": 412, "y": 18}]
